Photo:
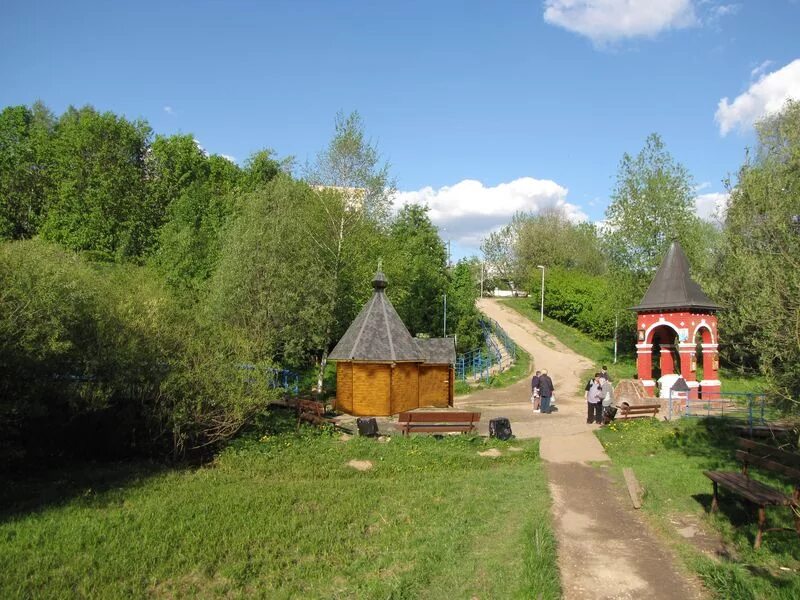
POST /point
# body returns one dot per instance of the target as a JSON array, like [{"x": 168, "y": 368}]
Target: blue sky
[{"x": 482, "y": 108}]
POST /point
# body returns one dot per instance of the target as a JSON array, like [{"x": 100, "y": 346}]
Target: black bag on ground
[
  {"x": 367, "y": 426},
  {"x": 500, "y": 428},
  {"x": 609, "y": 413}
]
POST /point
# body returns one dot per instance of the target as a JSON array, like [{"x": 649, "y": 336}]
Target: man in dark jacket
[{"x": 546, "y": 389}]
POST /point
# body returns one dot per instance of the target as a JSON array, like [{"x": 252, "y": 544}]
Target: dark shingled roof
[
  {"x": 680, "y": 385},
  {"x": 438, "y": 351},
  {"x": 673, "y": 287},
  {"x": 377, "y": 334}
]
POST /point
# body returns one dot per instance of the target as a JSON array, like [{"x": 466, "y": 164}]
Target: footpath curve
[{"x": 605, "y": 550}]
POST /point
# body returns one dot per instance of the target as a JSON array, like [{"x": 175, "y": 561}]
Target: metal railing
[
  {"x": 479, "y": 362},
  {"x": 500, "y": 333},
  {"x": 284, "y": 379},
  {"x": 748, "y": 407}
]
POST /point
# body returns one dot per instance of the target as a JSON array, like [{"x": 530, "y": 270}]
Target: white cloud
[
  {"x": 605, "y": 21},
  {"x": 760, "y": 69},
  {"x": 229, "y": 158},
  {"x": 712, "y": 206},
  {"x": 701, "y": 186},
  {"x": 724, "y": 10},
  {"x": 469, "y": 211},
  {"x": 169, "y": 110},
  {"x": 764, "y": 97}
]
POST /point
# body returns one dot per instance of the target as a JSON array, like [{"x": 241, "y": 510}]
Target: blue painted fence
[
  {"x": 478, "y": 362},
  {"x": 284, "y": 379}
]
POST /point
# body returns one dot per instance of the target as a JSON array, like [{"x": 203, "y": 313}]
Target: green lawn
[
  {"x": 668, "y": 460},
  {"x": 282, "y": 516}
]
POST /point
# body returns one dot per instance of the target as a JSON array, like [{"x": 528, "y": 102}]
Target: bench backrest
[
  {"x": 310, "y": 406},
  {"x": 639, "y": 408},
  {"x": 769, "y": 458},
  {"x": 439, "y": 417}
]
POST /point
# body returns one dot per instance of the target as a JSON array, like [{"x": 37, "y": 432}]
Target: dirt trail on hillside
[{"x": 605, "y": 551}]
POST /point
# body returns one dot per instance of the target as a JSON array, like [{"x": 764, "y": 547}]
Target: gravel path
[{"x": 605, "y": 550}]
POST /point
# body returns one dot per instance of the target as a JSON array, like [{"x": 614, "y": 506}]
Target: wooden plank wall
[
  {"x": 452, "y": 391},
  {"x": 344, "y": 386},
  {"x": 371, "y": 389},
  {"x": 405, "y": 387},
  {"x": 434, "y": 385}
]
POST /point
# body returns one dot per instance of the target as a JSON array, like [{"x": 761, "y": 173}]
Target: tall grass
[
  {"x": 283, "y": 516},
  {"x": 668, "y": 460}
]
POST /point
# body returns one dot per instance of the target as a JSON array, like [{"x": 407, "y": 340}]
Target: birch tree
[{"x": 353, "y": 198}]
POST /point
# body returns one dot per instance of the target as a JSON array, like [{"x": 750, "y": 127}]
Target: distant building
[
  {"x": 354, "y": 196},
  {"x": 498, "y": 293}
]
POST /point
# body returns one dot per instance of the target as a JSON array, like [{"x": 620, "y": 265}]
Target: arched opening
[
  {"x": 665, "y": 359},
  {"x": 702, "y": 336}
]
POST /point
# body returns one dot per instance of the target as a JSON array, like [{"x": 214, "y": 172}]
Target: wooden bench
[
  {"x": 631, "y": 411},
  {"x": 437, "y": 422},
  {"x": 312, "y": 411},
  {"x": 768, "y": 458}
]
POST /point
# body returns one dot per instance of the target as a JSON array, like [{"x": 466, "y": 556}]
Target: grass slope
[
  {"x": 284, "y": 517},
  {"x": 669, "y": 460}
]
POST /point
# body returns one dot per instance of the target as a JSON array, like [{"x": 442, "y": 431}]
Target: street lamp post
[
  {"x": 444, "y": 326},
  {"x": 541, "y": 316}
]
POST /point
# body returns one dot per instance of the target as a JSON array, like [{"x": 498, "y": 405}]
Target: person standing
[
  {"x": 535, "y": 395},
  {"x": 594, "y": 400},
  {"x": 604, "y": 373},
  {"x": 546, "y": 389}
]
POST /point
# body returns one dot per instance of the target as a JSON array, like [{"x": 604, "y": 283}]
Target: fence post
[
  {"x": 669, "y": 407},
  {"x": 750, "y": 413}
]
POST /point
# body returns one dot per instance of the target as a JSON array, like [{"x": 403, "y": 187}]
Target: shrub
[{"x": 101, "y": 359}]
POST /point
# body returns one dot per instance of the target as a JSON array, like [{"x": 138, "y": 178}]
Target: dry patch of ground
[{"x": 360, "y": 465}]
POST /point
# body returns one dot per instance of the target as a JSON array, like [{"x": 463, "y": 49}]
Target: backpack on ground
[
  {"x": 609, "y": 413},
  {"x": 500, "y": 428}
]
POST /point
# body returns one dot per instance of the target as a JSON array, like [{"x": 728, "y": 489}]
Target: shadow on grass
[
  {"x": 87, "y": 482},
  {"x": 92, "y": 482}
]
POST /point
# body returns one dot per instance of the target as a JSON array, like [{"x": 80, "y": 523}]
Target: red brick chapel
[{"x": 677, "y": 329}]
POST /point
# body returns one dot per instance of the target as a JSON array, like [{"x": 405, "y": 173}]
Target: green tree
[
  {"x": 417, "y": 268},
  {"x": 352, "y": 165},
  {"x": 106, "y": 344},
  {"x": 578, "y": 245},
  {"x": 499, "y": 250},
  {"x": 25, "y": 139},
  {"x": 190, "y": 239},
  {"x": 759, "y": 268},
  {"x": 223, "y": 175},
  {"x": 266, "y": 286},
  {"x": 174, "y": 163},
  {"x": 352, "y": 197},
  {"x": 261, "y": 168},
  {"x": 652, "y": 204},
  {"x": 462, "y": 314},
  {"x": 98, "y": 203}
]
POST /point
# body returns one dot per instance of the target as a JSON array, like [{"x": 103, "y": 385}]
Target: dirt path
[{"x": 604, "y": 548}]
